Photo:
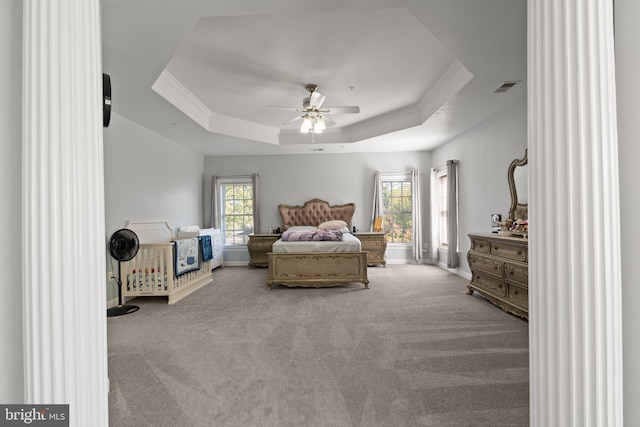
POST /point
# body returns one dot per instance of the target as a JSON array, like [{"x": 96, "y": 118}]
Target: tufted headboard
[{"x": 315, "y": 212}]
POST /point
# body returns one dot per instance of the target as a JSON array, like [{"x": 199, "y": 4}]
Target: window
[
  {"x": 443, "y": 209},
  {"x": 397, "y": 207},
  {"x": 236, "y": 211}
]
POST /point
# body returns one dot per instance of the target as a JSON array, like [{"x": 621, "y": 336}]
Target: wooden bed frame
[{"x": 316, "y": 269}]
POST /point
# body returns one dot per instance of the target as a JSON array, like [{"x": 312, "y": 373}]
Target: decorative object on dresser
[
  {"x": 375, "y": 244},
  {"x": 306, "y": 264},
  {"x": 258, "y": 246},
  {"x": 500, "y": 271},
  {"x": 152, "y": 272},
  {"x": 495, "y": 222}
]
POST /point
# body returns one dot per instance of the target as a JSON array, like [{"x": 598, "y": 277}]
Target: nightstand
[
  {"x": 258, "y": 246},
  {"x": 375, "y": 243}
]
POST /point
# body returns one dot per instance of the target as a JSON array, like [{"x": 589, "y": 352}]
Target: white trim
[
  {"x": 456, "y": 271},
  {"x": 170, "y": 88}
]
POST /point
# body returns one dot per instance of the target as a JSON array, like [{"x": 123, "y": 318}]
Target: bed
[{"x": 317, "y": 264}]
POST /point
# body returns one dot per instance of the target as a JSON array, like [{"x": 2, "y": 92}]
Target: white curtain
[
  {"x": 215, "y": 203},
  {"x": 435, "y": 217},
  {"x": 417, "y": 215},
  {"x": 216, "y": 209},
  {"x": 452, "y": 220},
  {"x": 375, "y": 211}
]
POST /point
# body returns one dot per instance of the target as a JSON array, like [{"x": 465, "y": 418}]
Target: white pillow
[
  {"x": 335, "y": 224},
  {"x": 302, "y": 227}
]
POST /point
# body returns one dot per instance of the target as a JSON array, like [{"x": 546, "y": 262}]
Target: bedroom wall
[
  {"x": 294, "y": 179},
  {"x": 485, "y": 153},
  {"x": 627, "y": 35},
  {"x": 148, "y": 178},
  {"x": 11, "y": 366}
]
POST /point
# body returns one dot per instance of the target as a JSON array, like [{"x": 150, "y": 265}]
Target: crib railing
[{"x": 151, "y": 273}]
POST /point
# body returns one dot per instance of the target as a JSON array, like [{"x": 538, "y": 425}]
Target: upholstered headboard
[{"x": 315, "y": 212}]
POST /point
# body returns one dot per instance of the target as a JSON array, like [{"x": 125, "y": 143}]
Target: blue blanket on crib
[
  {"x": 186, "y": 255},
  {"x": 207, "y": 251}
]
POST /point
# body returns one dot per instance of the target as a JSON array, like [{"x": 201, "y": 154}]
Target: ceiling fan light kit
[{"x": 313, "y": 123}]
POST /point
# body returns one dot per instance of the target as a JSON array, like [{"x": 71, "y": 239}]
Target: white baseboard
[
  {"x": 240, "y": 263},
  {"x": 455, "y": 271},
  {"x": 112, "y": 303},
  {"x": 407, "y": 261}
]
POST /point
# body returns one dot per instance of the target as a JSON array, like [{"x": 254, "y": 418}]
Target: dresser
[
  {"x": 258, "y": 246},
  {"x": 375, "y": 244},
  {"x": 216, "y": 241},
  {"x": 216, "y": 247},
  {"x": 500, "y": 271}
]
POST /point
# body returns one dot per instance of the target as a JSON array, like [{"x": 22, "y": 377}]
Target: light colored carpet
[{"x": 413, "y": 350}]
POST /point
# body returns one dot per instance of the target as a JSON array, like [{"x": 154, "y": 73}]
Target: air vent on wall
[{"x": 506, "y": 86}]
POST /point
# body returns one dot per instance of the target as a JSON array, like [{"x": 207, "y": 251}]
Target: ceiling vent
[{"x": 506, "y": 86}]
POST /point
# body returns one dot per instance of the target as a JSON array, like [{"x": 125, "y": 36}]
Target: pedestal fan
[{"x": 123, "y": 246}]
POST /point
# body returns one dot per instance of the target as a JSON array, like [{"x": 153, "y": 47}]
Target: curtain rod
[{"x": 235, "y": 176}]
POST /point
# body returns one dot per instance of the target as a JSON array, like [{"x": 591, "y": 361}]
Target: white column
[
  {"x": 574, "y": 291},
  {"x": 63, "y": 209}
]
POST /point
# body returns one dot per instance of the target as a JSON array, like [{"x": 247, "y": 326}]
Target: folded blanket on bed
[
  {"x": 207, "y": 252},
  {"x": 186, "y": 255},
  {"x": 308, "y": 235}
]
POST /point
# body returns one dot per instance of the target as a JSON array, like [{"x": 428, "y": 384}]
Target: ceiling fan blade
[
  {"x": 341, "y": 110},
  {"x": 295, "y": 119},
  {"x": 316, "y": 99},
  {"x": 285, "y": 108},
  {"x": 328, "y": 122}
]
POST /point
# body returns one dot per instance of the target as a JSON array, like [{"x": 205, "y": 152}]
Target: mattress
[{"x": 349, "y": 243}]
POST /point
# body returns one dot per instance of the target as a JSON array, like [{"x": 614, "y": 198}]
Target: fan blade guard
[{"x": 124, "y": 244}]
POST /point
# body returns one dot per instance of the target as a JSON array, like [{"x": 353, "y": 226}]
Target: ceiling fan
[{"x": 313, "y": 113}]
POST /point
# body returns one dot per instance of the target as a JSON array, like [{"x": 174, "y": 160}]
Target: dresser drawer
[
  {"x": 489, "y": 265},
  {"x": 217, "y": 261},
  {"x": 479, "y": 245},
  {"x": 518, "y": 295},
  {"x": 490, "y": 284},
  {"x": 517, "y": 273},
  {"x": 510, "y": 251}
]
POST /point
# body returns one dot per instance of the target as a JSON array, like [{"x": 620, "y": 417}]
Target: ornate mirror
[{"x": 518, "y": 185}]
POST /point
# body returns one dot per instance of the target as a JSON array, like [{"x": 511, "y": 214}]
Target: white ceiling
[{"x": 204, "y": 73}]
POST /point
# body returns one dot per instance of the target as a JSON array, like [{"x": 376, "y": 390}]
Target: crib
[{"x": 151, "y": 271}]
